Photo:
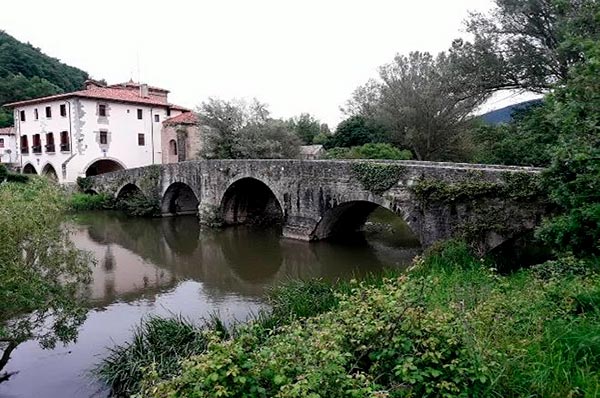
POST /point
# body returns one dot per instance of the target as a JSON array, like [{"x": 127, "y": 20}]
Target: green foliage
[
  {"x": 84, "y": 202},
  {"x": 11, "y": 177},
  {"x": 238, "y": 130},
  {"x": 41, "y": 271},
  {"x": 84, "y": 183},
  {"x": 376, "y": 177},
  {"x": 305, "y": 127},
  {"x": 25, "y": 73},
  {"x": 355, "y": 131},
  {"x": 370, "y": 151},
  {"x": 158, "y": 342},
  {"x": 139, "y": 205}
]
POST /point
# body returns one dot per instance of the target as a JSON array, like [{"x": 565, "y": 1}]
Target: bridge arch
[
  {"x": 50, "y": 172},
  {"x": 179, "y": 199},
  {"x": 103, "y": 165},
  {"x": 349, "y": 217},
  {"x": 249, "y": 200},
  {"x": 127, "y": 191},
  {"x": 29, "y": 169}
]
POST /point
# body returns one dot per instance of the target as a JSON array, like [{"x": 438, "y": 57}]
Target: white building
[
  {"x": 9, "y": 152},
  {"x": 92, "y": 131}
]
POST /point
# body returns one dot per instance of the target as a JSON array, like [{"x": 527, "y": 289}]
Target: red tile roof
[
  {"x": 7, "y": 131},
  {"x": 122, "y": 94},
  {"x": 137, "y": 85},
  {"x": 184, "y": 118}
]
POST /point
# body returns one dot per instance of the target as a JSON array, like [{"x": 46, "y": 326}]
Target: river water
[{"x": 172, "y": 266}]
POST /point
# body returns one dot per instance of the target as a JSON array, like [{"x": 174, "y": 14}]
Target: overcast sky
[{"x": 297, "y": 56}]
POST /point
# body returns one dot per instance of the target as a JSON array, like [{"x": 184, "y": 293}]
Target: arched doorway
[
  {"x": 250, "y": 201},
  {"x": 49, "y": 172},
  {"x": 349, "y": 218},
  {"x": 29, "y": 169},
  {"x": 102, "y": 166},
  {"x": 179, "y": 199}
]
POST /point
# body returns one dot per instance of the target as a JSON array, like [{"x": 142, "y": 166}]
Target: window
[
  {"x": 50, "y": 142},
  {"x": 168, "y": 111},
  {"x": 140, "y": 114},
  {"x": 172, "y": 147},
  {"x": 48, "y": 112},
  {"x": 22, "y": 116},
  {"x": 24, "y": 144},
  {"x": 64, "y": 141},
  {"x": 63, "y": 110},
  {"x": 103, "y": 137},
  {"x": 102, "y": 110},
  {"x": 141, "y": 139},
  {"x": 156, "y": 118},
  {"x": 35, "y": 114},
  {"x": 1, "y": 142},
  {"x": 37, "y": 144}
]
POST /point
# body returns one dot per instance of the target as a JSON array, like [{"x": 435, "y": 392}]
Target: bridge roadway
[{"x": 318, "y": 199}]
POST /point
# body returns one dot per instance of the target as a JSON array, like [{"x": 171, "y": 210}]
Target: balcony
[
  {"x": 36, "y": 149},
  {"x": 65, "y": 147},
  {"x": 50, "y": 148},
  {"x": 24, "y": 150}
]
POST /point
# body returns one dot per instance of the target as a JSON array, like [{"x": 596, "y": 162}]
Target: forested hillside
[{"x": 26, "y": 72}]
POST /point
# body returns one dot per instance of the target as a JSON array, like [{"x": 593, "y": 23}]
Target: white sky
[{"x": 297, "y": 56}]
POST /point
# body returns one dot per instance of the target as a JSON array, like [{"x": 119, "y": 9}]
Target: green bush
[
  {"x": 12, "y": 177},
  {"x": 139, "y": 205},
  {"x": 84, "y": 201},
  {"x": 369, "y": 151}
]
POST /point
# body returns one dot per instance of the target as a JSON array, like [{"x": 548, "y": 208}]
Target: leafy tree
[
  {"x": 526, "y": 44},
  {"x": 306, "y": 127},
  {"x": 241, "y": 130},
  {"x": 41, "y": 272},
  {"x": 573, "y": 178},
  {"x": 423, "y": 103},
  {"x": 355, "y": 131}
]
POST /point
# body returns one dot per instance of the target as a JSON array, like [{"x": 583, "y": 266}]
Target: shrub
[
  {"x": 370, "y": 151},
  {"x": 139, "y": 205},
  {"x": 84, "y": 201}
]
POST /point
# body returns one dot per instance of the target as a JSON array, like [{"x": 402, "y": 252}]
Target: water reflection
[{"x": 171, "y": 265}]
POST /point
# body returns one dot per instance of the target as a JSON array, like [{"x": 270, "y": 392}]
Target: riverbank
[{"x": 451, "y": 326}]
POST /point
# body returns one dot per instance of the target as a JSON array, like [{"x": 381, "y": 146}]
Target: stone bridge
[{"x": 315, "y": 200}]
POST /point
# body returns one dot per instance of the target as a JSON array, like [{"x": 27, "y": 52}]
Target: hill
[
  {"x": 26, "y": 72},
  {"x": 505, "y": 115}
]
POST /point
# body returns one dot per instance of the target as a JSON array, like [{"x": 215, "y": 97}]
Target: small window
[
  {"x": 50, "y": 143},
  {"x": 22, "y": 116},
  {"x": 24, "y": 144},
  {"x": 172, "y": 147},
  {"x": 64, "y": 141},
  {"x": 140, "y": 113},
  {"x": 103, "y": 137},
  {"x": 37, "y": 144},
  {"x": 35, "y": 114},
  {"x": 1, "y": 142},
  {"x": 141, "y": 139},
  {"x": 102, "y": 110},
  {"x": 48, "y": 112},
  {"x": 156, "y": 118},
  {"x": 63, "y": 110},
  {"x": 168, "y": 111}
]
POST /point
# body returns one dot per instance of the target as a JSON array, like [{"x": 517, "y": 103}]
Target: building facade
[
  {"x": 9, "y": 153},
  {"x": 182, "y": 138},
  {"x": 92, "y": 131}
]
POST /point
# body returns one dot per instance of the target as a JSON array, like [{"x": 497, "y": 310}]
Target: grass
[{"x": 84, "y": 202}]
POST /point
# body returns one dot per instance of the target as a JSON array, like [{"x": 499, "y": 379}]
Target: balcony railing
[
  {"x": 24, "y": 149},
  {"x": 50, "y": 148},
  {"x": 36, "y": 149},
  {"x": 65, "y": 147}
]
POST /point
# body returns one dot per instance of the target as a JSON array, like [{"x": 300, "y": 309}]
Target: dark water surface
[{"x": 171, "y": 266}]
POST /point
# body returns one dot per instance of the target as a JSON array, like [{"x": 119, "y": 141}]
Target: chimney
[
  {"x": 144, "y": 90},
  {"x": 91, "y": 83}
]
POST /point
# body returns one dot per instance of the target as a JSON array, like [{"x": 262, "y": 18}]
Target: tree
[
  {"x": 526, "y": 44},
  {"x": 241, "y": 130},
  {"x": 369, "y": 151},
  {"x": 42, "y": 274},
  {"x": 355, "y": 131},
  {"x": 573, "y": 178},
  {"x": 423, "y": 103},
  {"x": 306, "y": 127}
]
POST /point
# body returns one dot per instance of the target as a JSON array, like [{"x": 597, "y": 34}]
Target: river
[{"x": 172, "y": 266}]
